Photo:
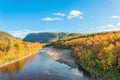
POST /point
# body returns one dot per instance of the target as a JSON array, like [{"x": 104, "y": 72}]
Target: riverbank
[
  {"x": 97, "y": 73},
  {"x": 13, "y": 61},
  {"x": 64, "y": 56},
  {"x": 40, "y": 67},
  {"x": 60, "y": 55}
]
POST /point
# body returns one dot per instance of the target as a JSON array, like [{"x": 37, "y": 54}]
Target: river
[{"x": 40, "y": 67}]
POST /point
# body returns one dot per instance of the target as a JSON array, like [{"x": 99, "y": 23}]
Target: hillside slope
[
  {"x": 99, "y": 53},
  {"x": 12, "y": 49},
  {"x": 46, "y": 37}
]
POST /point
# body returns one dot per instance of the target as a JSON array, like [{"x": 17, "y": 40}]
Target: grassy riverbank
[
  {"x": 98, "y": 73},
  {"x": 103, "y": 74},
  {"x": 12, "y": 49}
]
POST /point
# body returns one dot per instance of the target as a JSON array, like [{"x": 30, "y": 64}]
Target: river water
[{"x": 40, "y": 67}]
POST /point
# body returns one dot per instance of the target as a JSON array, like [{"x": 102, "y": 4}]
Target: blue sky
[{"x": 20, "y": 17}]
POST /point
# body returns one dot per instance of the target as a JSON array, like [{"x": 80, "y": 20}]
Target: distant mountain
[{"x": 46, "y": 37}]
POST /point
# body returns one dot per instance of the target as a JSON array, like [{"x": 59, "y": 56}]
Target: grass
[{"x": 98, "y": 72}]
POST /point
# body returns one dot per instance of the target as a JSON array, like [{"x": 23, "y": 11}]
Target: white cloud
[
  {"x": 75, "y": 14},
  {"x": 59, "y": 14},
  {"x": 116, "y": 17},
  {"x": 47, "y": 19},
  {"x": 72, "y": 14},
  {"x": 51, "y": 19},
  {"x": 57, "y": 18},
  {"x": 118, "y": 24},
  {"x": 110, "y": 27},
  {"x": 22, "y": 33}
]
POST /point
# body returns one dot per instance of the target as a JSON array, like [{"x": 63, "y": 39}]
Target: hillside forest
[
  {"x": 12, "y": 48},
  {"x": 99, "y": 53}
]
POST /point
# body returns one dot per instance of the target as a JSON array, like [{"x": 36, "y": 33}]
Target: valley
[{"x": 97, "y": 54}]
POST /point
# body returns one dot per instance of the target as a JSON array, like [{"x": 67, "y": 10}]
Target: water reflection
[
  {"x": 14, "y": 67},
  {"x": 40, "y": 67}
]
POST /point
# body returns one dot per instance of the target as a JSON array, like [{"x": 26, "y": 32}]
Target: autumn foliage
[
  {"x": 98, "y": 50},
  {"x": 12, "y": 49}
]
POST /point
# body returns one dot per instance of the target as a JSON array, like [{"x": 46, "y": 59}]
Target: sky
[{"x": 20, "y": 17}]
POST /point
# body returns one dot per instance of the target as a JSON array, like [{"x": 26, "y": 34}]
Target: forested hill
[
  {"x": 99, "y": 53},
  {"x": 4, "y": 34},
  {"x": 45, "y": 37},
  {"x": 12, "y": 48}
]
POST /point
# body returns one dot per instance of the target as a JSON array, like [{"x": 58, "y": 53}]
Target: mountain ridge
[{"x": 46, "y": 37}]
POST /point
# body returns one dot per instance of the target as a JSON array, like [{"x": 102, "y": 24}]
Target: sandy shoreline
[
  {"x": 13, "y": 61},
  {"x": 60, "y": 55}
]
